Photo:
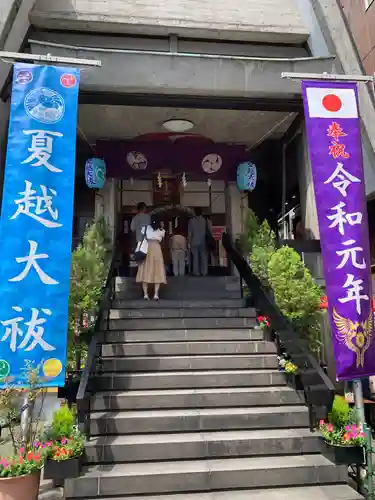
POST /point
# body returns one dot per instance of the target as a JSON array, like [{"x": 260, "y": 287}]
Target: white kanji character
[
  {"x": 41, "y": 148},
  {"x": 35, "y": 206},
  {"x": 35, "y": 332},
  {"x": 31, "y": 261},
  {"x": 344, "y": 179},
  {"x": 354, "y": 293},
  {"x": 12, "y": 329},
  {"x": 350, "y": 253},
  {"x": 341, "y": 217}
]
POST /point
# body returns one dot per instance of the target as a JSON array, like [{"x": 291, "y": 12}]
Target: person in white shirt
[
  {"x": 152, "y": 270},
  {"x": 178, "y": 252},
  {"x": 140, "y": 220}
]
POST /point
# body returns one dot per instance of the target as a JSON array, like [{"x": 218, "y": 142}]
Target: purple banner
[
  {"x": 199, "y": 160},
  {"x": 333, "y": 132}
]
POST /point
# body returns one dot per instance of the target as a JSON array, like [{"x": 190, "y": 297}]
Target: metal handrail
[
  {"x": 93, "y": 354},
  {"x": 318, "y": 387}
]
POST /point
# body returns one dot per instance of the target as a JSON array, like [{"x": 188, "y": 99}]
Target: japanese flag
[{"x": 331, "y": 103}]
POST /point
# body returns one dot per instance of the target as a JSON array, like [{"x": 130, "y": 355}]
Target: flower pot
[
  {"x": 344, "y": 455},
  {"x": 65, "y": 469},
  {"x": 294, "y": 380},
  {"x": 20, "y": 487}
]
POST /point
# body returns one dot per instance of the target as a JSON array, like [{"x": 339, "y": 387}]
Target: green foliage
[
  {"x": 88, "y": 273},
  {"x": 264, "y": 246},
  {"x": 342, "y": 428},
  {"x": 22, "y": 464},
  {"x": 341, "y": 413},
  {"x": 250, "y": 231},
  {"x": 23, "y": 438},
  {"x": 63, "y": 423},
  {"x": 296, "y": 293}
]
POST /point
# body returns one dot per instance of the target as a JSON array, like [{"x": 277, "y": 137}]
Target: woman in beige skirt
[{"x": 152, "y": 269}]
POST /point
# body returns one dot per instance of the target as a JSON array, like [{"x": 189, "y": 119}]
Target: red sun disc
[{"x": 332, "y": 103}]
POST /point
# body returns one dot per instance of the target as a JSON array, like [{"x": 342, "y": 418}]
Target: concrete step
[
  {"x": 199, "y": 445},
  {"x": 187, "y": 279},
  {"x": 193, "y": 420},
  {"x": 195, "y": 398},
  {"x": 188, "y": 348},
  {"x": 167, "y": 293},
  {"x": 188, "y": 379},
  {"x": 180, "y": 323},
  {"x": 184, "y": 283},
  {"x": 190, "y": 312},
  {"x": 189, "y": 363},
  {"x": 183, "y": 335},
  {"x": 178, "y": 304},
  {"x": 331, "y": 492},
  {"x": 204, "y": 475}
]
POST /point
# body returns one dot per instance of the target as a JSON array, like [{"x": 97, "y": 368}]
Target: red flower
[
  {"x": 323, "y": 302},
  {"x": 70, "y": 452}
]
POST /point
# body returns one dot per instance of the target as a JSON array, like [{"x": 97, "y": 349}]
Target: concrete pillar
[
  {"x": 236, "y": 210},
  {"x": 106, "y": 206},
  {"x": 307, "y": 195}
]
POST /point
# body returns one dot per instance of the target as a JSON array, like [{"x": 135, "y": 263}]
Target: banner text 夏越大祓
[
  {"x": 334, "y": 139},
  {"x": 36, "y": 223}
]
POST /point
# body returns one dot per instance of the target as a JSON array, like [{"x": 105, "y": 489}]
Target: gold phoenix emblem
[{"x": 356, "y": 336}]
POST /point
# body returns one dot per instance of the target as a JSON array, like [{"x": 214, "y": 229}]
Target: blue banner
[{"x": 36, "y": 223}]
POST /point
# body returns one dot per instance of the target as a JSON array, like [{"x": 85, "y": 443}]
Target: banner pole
[{"x": 358, "y": 401}]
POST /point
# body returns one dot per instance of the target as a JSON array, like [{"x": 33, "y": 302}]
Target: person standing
[
  {"x": 139, "y": 221},
  {"x": 178, "y": 252},
  {"x": 199, "y": 228},
  {"x": 152, "y": 270}
]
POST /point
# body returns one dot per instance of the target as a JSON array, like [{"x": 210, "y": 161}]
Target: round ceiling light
[{"x": 178, "y": 125}]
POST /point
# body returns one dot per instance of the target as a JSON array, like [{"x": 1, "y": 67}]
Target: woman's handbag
[{"x": 141, "y": 249}]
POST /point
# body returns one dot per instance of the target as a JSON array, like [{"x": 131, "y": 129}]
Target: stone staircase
[{"x": 190, "y": 405}]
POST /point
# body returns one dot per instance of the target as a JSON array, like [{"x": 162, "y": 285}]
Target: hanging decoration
[
  {"x": 176, "y": 220},
  {"x": 184, "y": 180},
  {"x": 209, "y": 182},
  {"x": 246, "y": 176},
  {"x": 160, "y": 181},
  {"x": 95, "y": 173}
]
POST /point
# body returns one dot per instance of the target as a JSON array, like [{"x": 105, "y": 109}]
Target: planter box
[
  {"x": 66, "y": 469},
  {"x": 294, "y": 381},
  {"x": 20, "y": 488},
  {"x": 344, "y": 455}
]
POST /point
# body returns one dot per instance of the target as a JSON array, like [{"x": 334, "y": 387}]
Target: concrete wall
[
  {"x": 330, "y": 35},
  {"x": 269, "y": 20},
  {"x": 362, "y": 22}
]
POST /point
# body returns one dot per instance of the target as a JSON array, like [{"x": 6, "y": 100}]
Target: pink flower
[
  {"x": 362, "y": 434},
  {"x": 348, "y": 428},
  {"x": 321, "y": 422},
  {"x": 330, "y": 428},
  {"x": 64, "y": 441},
  {"x": 354, "y": 427},
  {"x": 49, "y": 444},
  {"x": 22, "y": 450}
]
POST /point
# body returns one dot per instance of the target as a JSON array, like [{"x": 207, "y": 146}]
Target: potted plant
[
  {"x": 290, "y": 370},
  {"x": 20, "y": 473},
  {"x": 263, "y": 322},
  {"x": 65, "y": 446},
  {"x": 344, "y": 439}
]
